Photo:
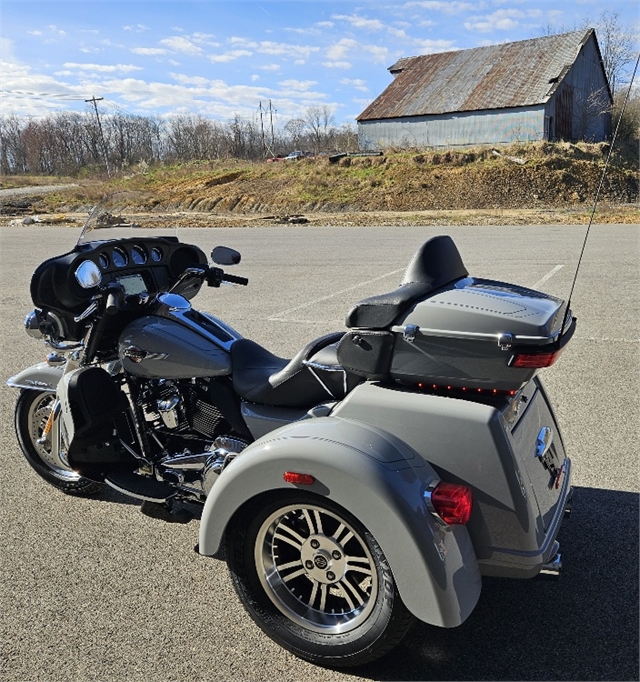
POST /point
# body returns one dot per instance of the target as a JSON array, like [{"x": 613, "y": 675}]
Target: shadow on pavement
[{"x": 580, "y": 626}]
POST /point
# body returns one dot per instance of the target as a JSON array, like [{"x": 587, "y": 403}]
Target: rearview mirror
[
  {"x": 88, "y": 274},
  {"x": 223, "y": 255}
]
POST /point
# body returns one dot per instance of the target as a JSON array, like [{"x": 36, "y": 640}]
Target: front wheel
[
  {"x": 31, "y": 414},
  {"x": 316, "y": 581}
]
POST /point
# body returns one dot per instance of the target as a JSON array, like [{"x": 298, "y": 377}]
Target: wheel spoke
[
  {"x": 314, "y": 593},
  {"x": 348, "y": 587},
  {"x": 352, "y": 565},
  {"x": 290, "y": 541},
  {"x": 338, "y": 532},
  {"x": 291, "y": 564},
  {"x": 323, "y": 597},
  {"x": 293, "y": 575}
]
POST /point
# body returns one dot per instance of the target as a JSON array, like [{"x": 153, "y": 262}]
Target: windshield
[{"x": 126, "y": 214}]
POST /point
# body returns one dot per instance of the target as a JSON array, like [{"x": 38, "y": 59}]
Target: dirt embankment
[{"x": 541, "y": 182}]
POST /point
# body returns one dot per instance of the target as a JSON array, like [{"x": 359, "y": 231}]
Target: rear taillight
[
  {"x": 535, "y": 360},
  {"x": 451, "y": 502}
]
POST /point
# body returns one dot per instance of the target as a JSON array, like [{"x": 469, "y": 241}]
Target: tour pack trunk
[{"x": 478, "y": 334}]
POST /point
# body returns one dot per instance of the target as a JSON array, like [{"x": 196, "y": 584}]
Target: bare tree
[{"x": 319, "y": 118}]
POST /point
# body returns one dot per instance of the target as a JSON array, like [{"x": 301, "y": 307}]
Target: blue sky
[{"x": 222, "y": 59}]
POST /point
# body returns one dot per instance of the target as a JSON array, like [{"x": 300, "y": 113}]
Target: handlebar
[
  {"x": 234, "y": 279},
  {"x": 114, "y": 300}
]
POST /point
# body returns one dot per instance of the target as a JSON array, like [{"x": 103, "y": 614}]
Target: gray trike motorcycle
[{"x": 372, "y": 479}]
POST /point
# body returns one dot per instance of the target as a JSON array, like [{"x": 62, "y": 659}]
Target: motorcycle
[{"x": 372, "y": 479}]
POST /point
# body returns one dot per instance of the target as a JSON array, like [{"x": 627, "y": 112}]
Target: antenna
[{"x": 567, "y": 311}]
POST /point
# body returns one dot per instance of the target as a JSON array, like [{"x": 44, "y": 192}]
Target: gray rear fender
[
  {"x": 381, "y": 481},
  {"x": 40, "y": 377}
]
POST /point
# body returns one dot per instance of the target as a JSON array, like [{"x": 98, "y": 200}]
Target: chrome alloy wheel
[
  {"x": 37, "y": 417},
  {"x": 316, "y": 569}
]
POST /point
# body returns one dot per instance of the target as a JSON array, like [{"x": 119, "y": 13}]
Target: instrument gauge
[
  {"x": 103, "y": 261},
  {"x": 138, "y": 255},
  {"x": 119, "y": 258},
  {"x": 156, "y": 254}
]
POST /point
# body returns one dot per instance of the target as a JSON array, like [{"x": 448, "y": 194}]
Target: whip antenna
[{"x": 595, "y": 203}]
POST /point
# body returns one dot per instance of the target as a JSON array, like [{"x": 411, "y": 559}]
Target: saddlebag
[{"x": 98, "y": 409}]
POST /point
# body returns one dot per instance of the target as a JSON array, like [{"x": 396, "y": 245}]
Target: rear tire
[
  {"x": 316, "y": 581},
  {"x": 31, "y": 413}
]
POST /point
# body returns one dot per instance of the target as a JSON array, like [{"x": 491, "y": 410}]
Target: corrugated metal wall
[
  {"x": 579, "y": 107},
  {"x": 523, "y": 124}
]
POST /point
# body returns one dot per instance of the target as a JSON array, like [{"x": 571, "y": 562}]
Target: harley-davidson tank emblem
[{"x": 137, "y": 355}]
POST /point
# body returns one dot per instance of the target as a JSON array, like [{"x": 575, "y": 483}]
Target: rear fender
[
  {"x": 378, "y": 479},
  {"x": 40, "y": 377}
]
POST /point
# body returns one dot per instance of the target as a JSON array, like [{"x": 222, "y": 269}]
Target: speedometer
[
  {"x": 119, "y": 258},
  {"x": 138, "y": 255}
]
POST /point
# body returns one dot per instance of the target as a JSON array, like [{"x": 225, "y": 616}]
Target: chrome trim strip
[{"x": 478, "y": 336}]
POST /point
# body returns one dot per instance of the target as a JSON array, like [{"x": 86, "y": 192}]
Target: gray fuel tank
[{"x": 158, "y": 347}]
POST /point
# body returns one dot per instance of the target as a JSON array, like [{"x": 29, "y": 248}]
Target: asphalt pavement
[{"x": 90, "y": 589}]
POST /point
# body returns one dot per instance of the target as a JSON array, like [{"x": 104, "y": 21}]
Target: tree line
[{"x": 67, "y": 143}]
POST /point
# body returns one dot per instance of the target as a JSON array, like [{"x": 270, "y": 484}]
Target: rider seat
[{"x": 313, "y": 376}]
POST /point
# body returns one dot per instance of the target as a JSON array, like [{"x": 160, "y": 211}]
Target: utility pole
[
  {"x": 264, "y": 146},
  {"x": 271, "y": 110},
  {"x": 95, "y": 101}
]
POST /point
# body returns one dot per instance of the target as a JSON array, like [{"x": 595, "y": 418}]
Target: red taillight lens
[
  {"x": 452, "y": 502},
  {"x": 298, "y": 479},
  {"x": 535, "y": 360}
]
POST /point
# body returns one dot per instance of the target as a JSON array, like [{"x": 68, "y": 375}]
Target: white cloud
[
  {"x": 429, "y": 46},
  {"x": 254, "y": 77},
  {"x": 325, "y": 24},
  {"x": 500, "y": 20},
  {"x": 304, "y": 31},
  {"x": 102, "y": 68},
  {"x": 338, "y": 65},
  {"x": 138, "y": 28},
  {"x": 149, "y": 51},
  {"x": 360, "y": 22},
  {"x": 300, "y": 86},
  {"x": 443, "y": 6},
  {"x": 54, "y": 29},
  {"x": 341, "y": 49},
  {"x": 181, "y": 44},
  {"x": 356, "y": 83},
  {"x": 34, "y": 33},
  {"x": 287, "y": 49},
  {"x": 270, "y": 67},
  {"x": 229, "y": 56}
]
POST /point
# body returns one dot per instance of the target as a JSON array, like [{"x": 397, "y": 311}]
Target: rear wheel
[
  {"x": 316, "y": 581},
  {"x": 31, "y": 414}
]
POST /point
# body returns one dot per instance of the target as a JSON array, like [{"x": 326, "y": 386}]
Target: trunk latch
[
  {"x": 410, "y": 332},
  {"x": 505, "y": 340}
]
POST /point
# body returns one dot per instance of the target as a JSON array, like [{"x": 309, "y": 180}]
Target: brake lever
[{"x": 89, "y": 311}]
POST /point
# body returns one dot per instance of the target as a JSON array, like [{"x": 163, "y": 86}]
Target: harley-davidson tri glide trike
[{"x": 372, "y": 479}]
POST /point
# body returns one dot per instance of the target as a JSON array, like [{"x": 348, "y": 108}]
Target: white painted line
[
  {"x": 279, "y": 317},
  {"x": 547, "y": 277}
]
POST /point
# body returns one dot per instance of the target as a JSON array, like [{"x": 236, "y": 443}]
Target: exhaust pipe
[{"x": 553, "y": 567}]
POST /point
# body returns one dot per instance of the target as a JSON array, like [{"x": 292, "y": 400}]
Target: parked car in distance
[{"x": 296, "y": 156}]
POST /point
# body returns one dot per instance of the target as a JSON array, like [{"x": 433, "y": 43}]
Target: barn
[{"x": 549, "y": 88}]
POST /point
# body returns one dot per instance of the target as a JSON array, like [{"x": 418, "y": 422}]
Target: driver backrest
[{"x": 436, "y": 263}]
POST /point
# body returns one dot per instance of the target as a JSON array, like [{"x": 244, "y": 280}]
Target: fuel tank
[{"x": 157, "y": 347}]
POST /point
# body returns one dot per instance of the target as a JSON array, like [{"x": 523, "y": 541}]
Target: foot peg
[{"x": 164, "y": 512}]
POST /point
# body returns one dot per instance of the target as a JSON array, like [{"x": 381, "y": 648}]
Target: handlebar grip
[
  {"x": 234, "y": 279},
  {"x": 114, "y": 299}
]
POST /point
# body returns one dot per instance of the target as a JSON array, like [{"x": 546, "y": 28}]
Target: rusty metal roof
[{"x": 519, "y": 74}]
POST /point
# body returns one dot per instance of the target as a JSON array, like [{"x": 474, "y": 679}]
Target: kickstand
[{"x": 165, "y": 512}]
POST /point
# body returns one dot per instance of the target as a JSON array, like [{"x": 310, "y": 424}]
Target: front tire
[
  {"x": 31, "y": 414},
  {"x": 316, "y": 581}
]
